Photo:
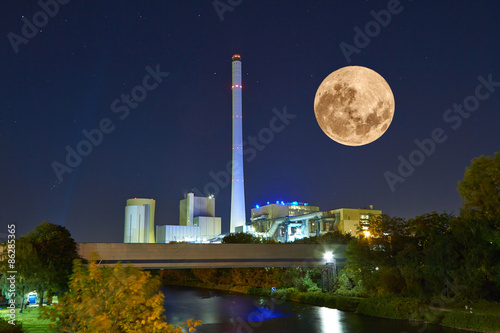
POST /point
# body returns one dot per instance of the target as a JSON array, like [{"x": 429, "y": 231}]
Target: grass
[{"x": 31, "y": 322}]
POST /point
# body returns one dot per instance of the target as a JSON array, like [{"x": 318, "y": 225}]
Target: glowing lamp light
[
  {"x": 328, "y": 256},
  {"x": 257, "y": 206},
  {"x": 367, "y": 233}
]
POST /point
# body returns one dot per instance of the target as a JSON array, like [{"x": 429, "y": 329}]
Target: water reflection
[
  {"x": 234, "y": 313},
  {"x": 330, "y": 319}
]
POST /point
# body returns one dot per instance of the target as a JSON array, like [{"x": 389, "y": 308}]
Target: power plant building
[
  {"x": 286, "y": 222},
  {"x": 192, "y": 207},
  {"x": 197, "y": 222},
  {"x": 139, "y": 221}
]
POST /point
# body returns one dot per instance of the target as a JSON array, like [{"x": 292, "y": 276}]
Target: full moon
[{"x": 354, "y": 106}]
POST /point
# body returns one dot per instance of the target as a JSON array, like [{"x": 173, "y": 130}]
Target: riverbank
[{"x": 480, "y": 316}]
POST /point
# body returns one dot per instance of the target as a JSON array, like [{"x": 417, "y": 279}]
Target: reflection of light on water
[
  {"x": 330, "y": 320},
  {"x": 263, "y": 313}
]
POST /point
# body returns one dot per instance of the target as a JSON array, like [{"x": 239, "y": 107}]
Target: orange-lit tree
[{"x": 113, "y": 300}]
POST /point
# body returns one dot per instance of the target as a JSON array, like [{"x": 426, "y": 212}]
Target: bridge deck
[{"x": 182, "y": 255}]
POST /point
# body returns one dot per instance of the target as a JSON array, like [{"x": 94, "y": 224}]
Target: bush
[
  {"x": 347, "y": 303},
  {"x": 392, "y": 308},
  {"x": 347, "y": 285},
  {"x": 315, "y": 298},
  {"x": 240, "y": 238},
  {"x": 474, "y": 322},
  {"x": 286, "y": 293},
  {"x": 206, "y": 275},
  {"x": 5, "y": 327},
  {"x": 176, "y": 275},
  {"x": 306, "y": 284}
]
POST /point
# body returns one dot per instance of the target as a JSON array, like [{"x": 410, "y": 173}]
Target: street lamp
[
  {"x": 328, "y": 256},
  {"x": 329, "y": 272}
]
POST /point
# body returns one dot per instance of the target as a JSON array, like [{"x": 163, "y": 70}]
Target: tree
[
  {"x": 479, "y": 225},
  {"x": 365, "y": 262},
  {"x": 25, "y": 261},
  {"x": 241, "y": 237},
  {"x": 440, "y": 250},
  {"x": 479, "y": 272},
  {"x": 480, "y": 189},
  {"x": 331, "y": 237},
  {"x": 55, "y": 251},
  {"x": 113, "y": 300},
  {"x": 44, "y": 260}
]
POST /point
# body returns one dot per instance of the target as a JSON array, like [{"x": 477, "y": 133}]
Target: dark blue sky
[{"x": 65, "y": 77}]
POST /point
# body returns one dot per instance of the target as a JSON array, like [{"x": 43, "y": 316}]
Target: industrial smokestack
[{"x": 237, "y": 184}]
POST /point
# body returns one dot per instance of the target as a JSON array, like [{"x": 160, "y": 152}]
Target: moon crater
[{"x": 354, "y": 106}]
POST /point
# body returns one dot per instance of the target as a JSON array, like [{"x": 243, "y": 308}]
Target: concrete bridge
[{"x": 184, "y": 255}]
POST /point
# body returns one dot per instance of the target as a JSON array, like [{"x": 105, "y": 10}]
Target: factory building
[
  {"x": 287, "y": 222},
  {"x": 263, "y": 217},
  {"x": 197, "y": 222},
  {"x": 192, "y": 207},
  {"x": 350, "y": 219},
  {"x": 139, "y": 221}
]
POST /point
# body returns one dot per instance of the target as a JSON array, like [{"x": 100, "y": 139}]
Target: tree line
[{"x": 434, "y": 253}]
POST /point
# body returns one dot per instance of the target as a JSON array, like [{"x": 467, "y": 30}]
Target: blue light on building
[{"x": 288, "y": 203}]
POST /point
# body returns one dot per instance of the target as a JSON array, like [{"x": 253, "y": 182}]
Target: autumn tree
[{"x": 113, "y": 300}]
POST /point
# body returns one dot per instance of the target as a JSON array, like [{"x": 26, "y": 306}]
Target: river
[{"x": 229, "y": 312}]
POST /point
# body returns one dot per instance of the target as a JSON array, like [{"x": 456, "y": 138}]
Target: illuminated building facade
[
  {"x": 350, "y": 219},
  {"x": 287, "y": 222},
  {"x": 197, "y": 222},
  {"x": 139, "y": 221},
  {"x": 193, "y": 206},
  {"x": 263, "y": 217}
]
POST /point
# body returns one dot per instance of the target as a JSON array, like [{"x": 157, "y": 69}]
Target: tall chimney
[{"x": 237, "y": 184}]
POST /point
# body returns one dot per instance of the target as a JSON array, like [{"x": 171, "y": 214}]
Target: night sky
[{"x": 67, "y": 79}]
